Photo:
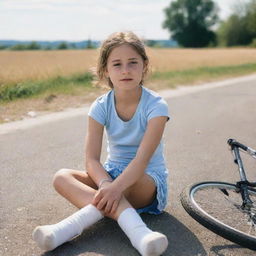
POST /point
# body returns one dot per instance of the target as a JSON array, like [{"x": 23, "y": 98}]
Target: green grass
[
  {"x": 64, "y": 85},
  {"x": 173, "y": 78},
  {"x": 78, "y": 83}
]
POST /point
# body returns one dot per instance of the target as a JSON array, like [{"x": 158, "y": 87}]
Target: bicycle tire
[{"x": 195, "y": 210}]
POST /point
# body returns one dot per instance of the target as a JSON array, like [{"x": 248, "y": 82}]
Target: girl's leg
[
  {"x": 79, "y": 189},
  {"x": 142, "y": 238},
  {"x": 76, "y": 186}
]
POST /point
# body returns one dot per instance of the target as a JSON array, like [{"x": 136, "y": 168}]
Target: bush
[
  {"x": 23, "y": 47},
  {"x": 253, "y": 44},
  {"x": 3, "y": 47},
  {"x": 18, "y": 47}
]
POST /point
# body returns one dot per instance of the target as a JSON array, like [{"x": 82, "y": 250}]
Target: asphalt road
[{"x": 196, "y": 150}]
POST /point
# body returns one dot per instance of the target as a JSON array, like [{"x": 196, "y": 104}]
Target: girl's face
[{"x": 125, "y": 67}]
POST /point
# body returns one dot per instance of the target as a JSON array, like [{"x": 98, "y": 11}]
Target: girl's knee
[{"x": 61, "y": 177}]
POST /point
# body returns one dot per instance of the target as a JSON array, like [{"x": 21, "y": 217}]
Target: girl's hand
[{"x": 107, "y": 198}]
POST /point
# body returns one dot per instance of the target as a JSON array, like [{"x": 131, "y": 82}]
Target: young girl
[{"x": 134, "y": 177}]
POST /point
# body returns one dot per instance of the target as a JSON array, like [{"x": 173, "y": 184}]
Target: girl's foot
[{"x": 49, "y": 237}]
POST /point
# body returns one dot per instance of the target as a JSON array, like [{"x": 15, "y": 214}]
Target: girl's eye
[
  {"x": 134, "y": 62},
  {"x": 117, "y": 64}
]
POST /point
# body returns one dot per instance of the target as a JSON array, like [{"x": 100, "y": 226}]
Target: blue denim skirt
[{"x": 159, "y": 175}]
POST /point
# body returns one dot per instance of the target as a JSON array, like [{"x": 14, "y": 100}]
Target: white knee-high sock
[
  {"x": 147, "y": 242},
  {"x": 49, "y": 237}
]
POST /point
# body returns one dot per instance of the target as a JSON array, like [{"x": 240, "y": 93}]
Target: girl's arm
[
  {"x": 108, "y": 198},
  {"x": 93, "y": 152},
  {"x": 148, "y": 145}
]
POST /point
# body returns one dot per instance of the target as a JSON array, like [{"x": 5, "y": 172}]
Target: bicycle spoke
[{"x": 232, "y": 213}]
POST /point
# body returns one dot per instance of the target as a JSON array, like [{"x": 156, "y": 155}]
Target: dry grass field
[
  {"x": 36, "y": 65},
  {"x": 16, "y": 66}
]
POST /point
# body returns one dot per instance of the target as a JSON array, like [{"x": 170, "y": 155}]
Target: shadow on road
[
  {"x": 106, "y": 238},
  {"x": 221, "y": 250}
]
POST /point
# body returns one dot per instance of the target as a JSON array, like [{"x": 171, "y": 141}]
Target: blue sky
[{"x": 76, "y": 20}]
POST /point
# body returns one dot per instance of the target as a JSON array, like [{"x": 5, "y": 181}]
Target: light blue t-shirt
[{"x": 124, "y": 137}]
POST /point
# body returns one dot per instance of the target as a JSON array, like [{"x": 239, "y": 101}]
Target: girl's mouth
[{"x": 126, "y": 79}]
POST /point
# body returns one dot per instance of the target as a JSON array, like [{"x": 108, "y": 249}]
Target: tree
[
  {"x": 251, "y": 23},
  {"x": 240, "y": 27},
  {"x": 234, "y": 31},
  {"x": 33, "y": 46},
  {"x": 190, "y": 22},
  {"x": 62, "y": 46},
  {"x": 89, "y": 44}
]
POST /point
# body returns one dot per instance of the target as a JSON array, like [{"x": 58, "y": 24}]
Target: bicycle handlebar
[{"x": 233, "y": 143}]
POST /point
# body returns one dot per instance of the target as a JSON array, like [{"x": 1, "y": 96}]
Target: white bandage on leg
[
  {"x": 147, "y": 242},
  {"x": 49, "y": 237}
]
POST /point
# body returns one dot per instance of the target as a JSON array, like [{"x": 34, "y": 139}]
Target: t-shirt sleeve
[
  {"x": 158, "y": 108},
  {"x": 97, "y": 111}
]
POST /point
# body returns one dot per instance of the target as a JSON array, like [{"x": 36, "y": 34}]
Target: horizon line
[{"x": 70, "y": 40}]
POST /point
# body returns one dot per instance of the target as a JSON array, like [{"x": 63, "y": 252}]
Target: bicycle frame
[
  {"x": 227, "y": 209},
  {"x": 243, "y": 184}
]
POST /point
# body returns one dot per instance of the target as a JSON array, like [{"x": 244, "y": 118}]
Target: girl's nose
[{"x": 125, "y": 69}]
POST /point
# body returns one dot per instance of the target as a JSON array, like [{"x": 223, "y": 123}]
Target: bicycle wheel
[{"x": 218, "y": 207}]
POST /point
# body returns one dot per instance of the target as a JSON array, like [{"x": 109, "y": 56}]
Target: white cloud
[
  {"x": 80, "y": 19},
  {"x": 75, "y": 19},
  {"x": 43, "y": 4},
  {"x": 77, "y": 4}
]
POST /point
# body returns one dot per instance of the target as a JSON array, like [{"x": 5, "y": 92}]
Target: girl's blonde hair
[{"x": 114, "y": 40}]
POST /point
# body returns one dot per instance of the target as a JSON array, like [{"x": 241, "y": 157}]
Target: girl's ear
[
  {"x": 106, "y": 73},
  {"x": 145, "y": 67}
]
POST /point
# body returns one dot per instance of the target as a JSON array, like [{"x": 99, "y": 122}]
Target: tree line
[
  {"x": 196, "y": 23},
  {"x": 37, "y": 46}
]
